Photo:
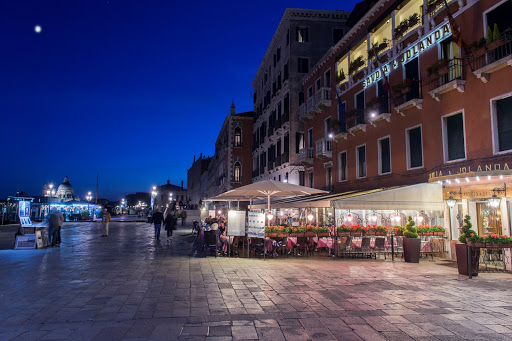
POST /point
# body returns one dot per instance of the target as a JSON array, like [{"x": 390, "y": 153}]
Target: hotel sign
[
  {"x": 491, "y": 167},
  {"x": 438, "y": 35}
]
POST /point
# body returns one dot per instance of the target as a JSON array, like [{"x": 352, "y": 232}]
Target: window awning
[{"x": 414, "y": 197}]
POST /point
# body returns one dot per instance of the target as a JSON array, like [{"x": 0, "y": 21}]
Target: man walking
[
  {"x": 183, "y": 217},
  {"x": 158, "y": 218},
  {"x": 106, "y": 220}
]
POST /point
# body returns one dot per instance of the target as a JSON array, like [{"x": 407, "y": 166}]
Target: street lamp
[
  {"x": 89, "y": 197},
  {"x": 153, "y": 196}
]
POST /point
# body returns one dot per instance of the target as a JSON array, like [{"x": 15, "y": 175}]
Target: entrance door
[{"x": 489, "y": 219}]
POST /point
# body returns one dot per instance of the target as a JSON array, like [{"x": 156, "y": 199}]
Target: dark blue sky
[{"x": 129, "y": 89}]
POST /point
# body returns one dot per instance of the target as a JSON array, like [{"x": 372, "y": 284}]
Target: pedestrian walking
[
  {"x": 54, "y": 222},
  {"x": 158, "y": 218},
  {"x": 106, "y": 221},
  {"x": 169, "y": 221},
  {"x": 183, "y": 217}
]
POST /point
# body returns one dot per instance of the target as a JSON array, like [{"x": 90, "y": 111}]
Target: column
[{"x": 505, "y": 227}]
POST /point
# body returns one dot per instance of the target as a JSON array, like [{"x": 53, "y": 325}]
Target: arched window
[
  {"x": 237, "y": 172},
  {"x": 238, "y": 137}
]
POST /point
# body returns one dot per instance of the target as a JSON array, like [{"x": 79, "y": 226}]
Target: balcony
[
  {"x": 356, "y": 121},
  {"x": 278, "y": 161},
  {"x": 285, "y": 158},
  {"x": 377, "y": 110},
  {"x": 446, "y": 76},
  {"x": 493, "y": 57},
  {"x": 270, "y": 130},
  {"x": 407, "y": 96},
  {"x": 324, "y": 148},
  {"x": 322, "y": 99},
  {"x": 306, "y": 155},
  {"x": 270, "y": 165},
  {"x": 303, "y": 112},
  {"x": 311, "y": 108},
  {"x": 285, "y": 121}
]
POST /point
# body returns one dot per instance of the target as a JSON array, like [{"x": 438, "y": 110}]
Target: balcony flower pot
[
  {"x": 495, "y": 44},
  {"x": 412, "y": 248},
  {"x": 380, "y": 233},
  {"x": 344, "y": 234},
  {"x": 356, "y": 234},
  {"x": 323, "y": 234},
  {"x": 310, "y": 234},
  {"x": 461, "y": 252},
  {"x": 369, "y": 233},
  {"x": 480, "y": 244},
  {"x": 439, "y": 234}
]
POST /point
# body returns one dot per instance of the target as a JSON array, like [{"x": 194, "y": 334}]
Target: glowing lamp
[
  {"x": 494, "y": 201},
  {"x": 349, "y": 217},
  {"x": 374, "y": 217},
  {"x": 310, "y": 216},
  {"x": 451, "y": 201},
  {"x": 270, "y": 216}
]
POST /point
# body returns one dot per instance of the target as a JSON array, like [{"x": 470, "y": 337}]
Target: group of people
[
  {"x": 55, "y": 221},
  {"x": 168, "y": 219}
]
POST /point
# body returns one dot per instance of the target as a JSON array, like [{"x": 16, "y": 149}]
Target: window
[
  {"x": 337, "y": 34},
  {"x": 412, "y": 73},
  {"x": 310, "y": 178},
  {"x": 286, "y": 143},
  {"x": 502, "y": 124},
  {"x": 285, "y": 72},
  {"x": 278, "y": 54},
  {"x": 310, "y": 92},
  {"x": 499, "y": 16},
  {"x": 301, "y": 98},
  {"x": 288, "y": 37},
  {"x": 414, "y": 148},
  {"x": 360, "y": 100},
  {"x": 318, "y": 84},
  {"x": 302, "y": 34},
  {"x": 384, "y": 155},
  {"x": 301, "y": 178},
  {"x": 453, "y": 137},
  {"x": 327, "y": 127},
  {"x": 342, "y": 164},
  {"x": 238, "y": 137},
  {"x": 299, "y": 141},
  {"x": 286, "y": 104},
  {"x": 310, "y": 138},
  {"x": 327, "y": 79},
  {"x": 361, "y": 161},
  {"x": 328, "y": 176},
  {"x": 275, "y": 60},
  {"x": 303, "y": 65},
  {"x": 237, "y": 172}
]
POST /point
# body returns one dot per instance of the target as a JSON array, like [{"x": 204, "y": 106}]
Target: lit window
[
  {"x": 238, "y": 137},
  {"x": 237, "y": 172}
]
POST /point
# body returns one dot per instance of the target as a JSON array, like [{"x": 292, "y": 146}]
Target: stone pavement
[{"x": 129, "y": 287}]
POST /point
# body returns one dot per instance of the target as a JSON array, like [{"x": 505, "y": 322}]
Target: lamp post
[
  {"x": 89, "y": 197},
  {"x": 49, "y": 193},
  {"x": 153, "y": 196},
  {"x": 122, "y": 205}
]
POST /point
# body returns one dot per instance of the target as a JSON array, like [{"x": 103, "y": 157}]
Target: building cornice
[
  {"x": 346, "y": 38},
  {"x": 295, "y": 13}
]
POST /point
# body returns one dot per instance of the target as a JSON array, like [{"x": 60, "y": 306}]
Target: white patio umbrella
[{"x": 266, "y": 188}]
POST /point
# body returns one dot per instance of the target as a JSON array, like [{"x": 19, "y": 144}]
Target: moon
[{"x": 37, "y": 29}]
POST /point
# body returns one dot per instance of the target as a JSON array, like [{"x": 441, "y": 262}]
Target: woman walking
[{"x": 169, "y": 221}]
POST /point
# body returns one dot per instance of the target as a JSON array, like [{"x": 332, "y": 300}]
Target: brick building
[
  {"x": 301, "y": 38},
  {"x": 443, "y": 129}
]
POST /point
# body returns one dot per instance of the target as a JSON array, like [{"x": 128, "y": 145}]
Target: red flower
[
  {"x": 354, "y": 228},
  {"x": 308, "y": 227},
  {"x": 472, "y": 234},
  {"x": 396, "y": 228},
  {"x": 295, "y": 230},
  {"x": 366, "y": 228}
]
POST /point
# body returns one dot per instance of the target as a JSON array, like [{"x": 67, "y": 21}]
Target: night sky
[{"x": 127, "y": 89}]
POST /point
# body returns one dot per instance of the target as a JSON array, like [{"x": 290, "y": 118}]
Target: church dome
[
  {"x": 65, "y": 185},
  {"x": 65, "y": 191}
]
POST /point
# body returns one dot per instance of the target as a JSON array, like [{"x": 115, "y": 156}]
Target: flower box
[
  {"x": 271, "y": 234},
  {"x": 356, "y": 234},
  {"x": 296, "y": 234},
  {"x": 439, "y": 234},
  {"x": 398, "y": 233},
  {"x": 479, "y": 244},
  {"x": 381, "y": 234},
  {"x": 344, "y": 234},
  {"x": 369, "y": 233},
  {"x": 310, "y": 234},
  {"x": 495, "y": 44},
  {"x": 282, "y": 235},
  {"x": 323, "y": 234}
]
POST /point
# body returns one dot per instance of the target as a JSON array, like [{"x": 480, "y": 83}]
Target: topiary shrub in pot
[
  {"x": 412, "y": 244},
  {"x": 461, "y": 250}
]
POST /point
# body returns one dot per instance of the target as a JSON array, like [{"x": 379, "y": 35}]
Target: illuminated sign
[{"x": 433, "y": 38}]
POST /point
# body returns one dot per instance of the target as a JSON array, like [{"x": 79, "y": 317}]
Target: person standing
[
  {"x": 106, "y": 220},
  {"x": 158, "y": 218},
  {"x": 169, "y": 222},
  {"x": 55, "y": 221},
  {"x": 183, "y": 217}
]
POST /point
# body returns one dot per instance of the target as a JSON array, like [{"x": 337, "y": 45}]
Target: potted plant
[
  {"x": 323, "y": 231},
  {"x": 398, "y": 230},
  {"x": 271, "y": 231},
  {"x": 412, "y": 244},
  {"x": 432, "y": 6},
  {"x": 283, "y": 232},
  {"x": 310, "y": 231},
  {"x": 355, "y": 65},
  {"x": 382, "y": 230},
  {"x": 356, "y": 231},
  {"x": 493, "y": 38},
  {"x": 344, "y": 230},
  {"x": 340, "y": 76},
  {"x": 461, "y": 250},
  {"x": 297, "y": 231},
  {"x": 437, "y": 230}
]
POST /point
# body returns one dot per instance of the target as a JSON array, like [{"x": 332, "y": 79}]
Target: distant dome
[{"x": 65, "y": 191}]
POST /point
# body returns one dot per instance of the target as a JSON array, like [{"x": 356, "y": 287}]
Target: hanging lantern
[
  {"x": 451, "y": 201},
  {"x": 494, "y": 201},
  {"x": 270, "y": 216},
  {"x": 349, "y": 217},
  {"x": 310, "y": 216},
  {"x": 419, "y": 218},
  {"x": 374, "y": 217}
]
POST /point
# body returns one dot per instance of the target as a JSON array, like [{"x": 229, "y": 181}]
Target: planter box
[
  {"x": 369, "y": 233},
  {"x": 461, "y": 251},
  {"x": 271, "y": 234},
  {"x": 399, "y": 233},
  {"x": 323, "y": 234},
  {"x": 439, "y": 234},
  {"x": 296, "y": 234},
  {"x": 479, "y": 244},
  {"x": 344, "y": 234},
  {"x": 282, "y": 235},
  {"x": 495, "y": 44},
  {"x": 310, "y": 234},
  {"x": 412, "y": 248},
  {"x": 381, "y": 234},
  {"x": 356, "y": 234}
]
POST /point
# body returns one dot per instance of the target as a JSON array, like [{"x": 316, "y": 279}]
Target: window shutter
[
  {"x": 455, "y": 137},
  {"x": 416, "y": 158},
  {"x": 504, "y": 122},
  {"x": 385, "y": 156}
]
